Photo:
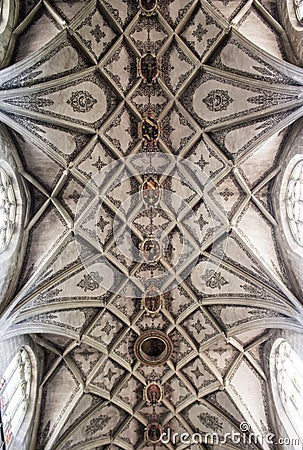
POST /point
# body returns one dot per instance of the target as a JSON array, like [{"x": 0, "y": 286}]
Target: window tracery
[
  {"x": 14, "y": 396},
  {"x": 294, "y": 202},
  {"x": 289, "y": 381},
  {"x": 7, "y": 210},
  {"x": 299, "y": 10}
]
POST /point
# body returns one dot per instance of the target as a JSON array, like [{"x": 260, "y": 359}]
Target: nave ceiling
[{"x": 210, "y": 130}]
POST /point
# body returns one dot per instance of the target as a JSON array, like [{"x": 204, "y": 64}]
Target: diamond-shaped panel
[
  {"x": 85, "y": 358},
  {"x": 199, "y": 327},
  {"x": 121, "y": 67},
  {"x": 222, "y": 355},
  {"x": 93, "y": 161},
  {"x": 176, "y": 67},
  {"x": 96, "y": 33},
  {"x": 230, "y": 194},
  {"x": 177, "y": 131},
  {"x": 174, "y": 10},
  {"x": 108, "y": 375},
  {"x": 199, "y": 374},
  {"x": 206, "y": 159},
  {"x": 122, "y": 132},
  {"x": 201, "y": 32},
  {"x": 106, "y": 329}
]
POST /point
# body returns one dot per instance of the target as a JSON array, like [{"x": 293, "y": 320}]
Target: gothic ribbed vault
[{"x": 73, "y": 99}]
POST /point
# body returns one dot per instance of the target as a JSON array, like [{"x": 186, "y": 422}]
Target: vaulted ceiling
[{"x": 221, "y": 106}]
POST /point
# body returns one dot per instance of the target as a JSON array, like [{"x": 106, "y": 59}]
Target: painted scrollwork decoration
[
  {"x": 217, "y": 100},
  {"x": 81, "y": 101}
]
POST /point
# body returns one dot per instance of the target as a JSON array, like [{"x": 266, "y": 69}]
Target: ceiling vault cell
[{"x": 148, "y": 137}]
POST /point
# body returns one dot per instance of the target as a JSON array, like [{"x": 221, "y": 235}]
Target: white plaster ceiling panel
[
  {"x": 237, "y": 56},
  {"x": 199, "y": 327},
  {"x": 108, "y": 377},
  {"x": 237, "y": 253},
  {"x": 106, "y": 329},
  {"x": 175, "y": 10},
  {"x": 230, "y": 193},
  {"x": 150, "y": 99},
  {"x": 229, "y": 8},
  {"x": 205, "y": 418},
  {"x": 39, "y": 164},
  {"x": 42, "y": 242},
  {"x": 120, "y": 66},
  {"x": 59, "y": 391},
  {"x": 100, "y": 424},
  {"x": 257, "y": 411},
  {"x": 201, "y": 31},
  {"x": 230, "y": 317},
  {"x": 95, "y": 32},
  {"x": 248, "y": 336},
  {"x": 261, "y": 243},
  {"x": 207, "y": 158},
  {"x": 268, "y": 38},
  {"x": 85, "y": 358},
  {"x": 176, "y": 67},
  {"x": 250, "y": 168},
  {"x": 240, "y": 139},
  {"x": 77, "y": 105},
  {"x": 122, "y": 132},
  {"x": 69, "y": 8},
  {"x": 82, "y": 408},
  {"x": 199, "y": 375},
  {"x": 213, "y": 99},
  {"x": 71, "y": 101},
  {"x": 222, "y": 356},
  {"x": 148, "y": 34},
  {"x": 178, "y": 130},
  {"x": 122, "y": 10},
  {"x": 60, "y": 144},
  {"x": 93, "y": 159},
  {"x": 42, "y": 29},
  {"x": 63, "y": 59}
]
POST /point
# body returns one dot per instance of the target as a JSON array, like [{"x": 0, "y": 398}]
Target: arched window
[
  {"x": 299, "y": 10},
  {"x": 14, "y": 396},
  {"x": 287, "y": 383},
  {"x": 7, "y": 210},
  {"x": 294, "y": 202}
]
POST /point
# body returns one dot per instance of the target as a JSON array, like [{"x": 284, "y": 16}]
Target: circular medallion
[
  {"x": 153, "y": 300},
  {"x": 148, "y": 68},
  {"x": 153, "y": 393},
  {"x": 149, "y": 129},
  {"x": 154, "y": 432},
  {"x": 151, "y": 249},
  {"x": 153, "y": 348},
  {"x": 150, "y": 191},
  {"x": 148, "y": 6}
]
